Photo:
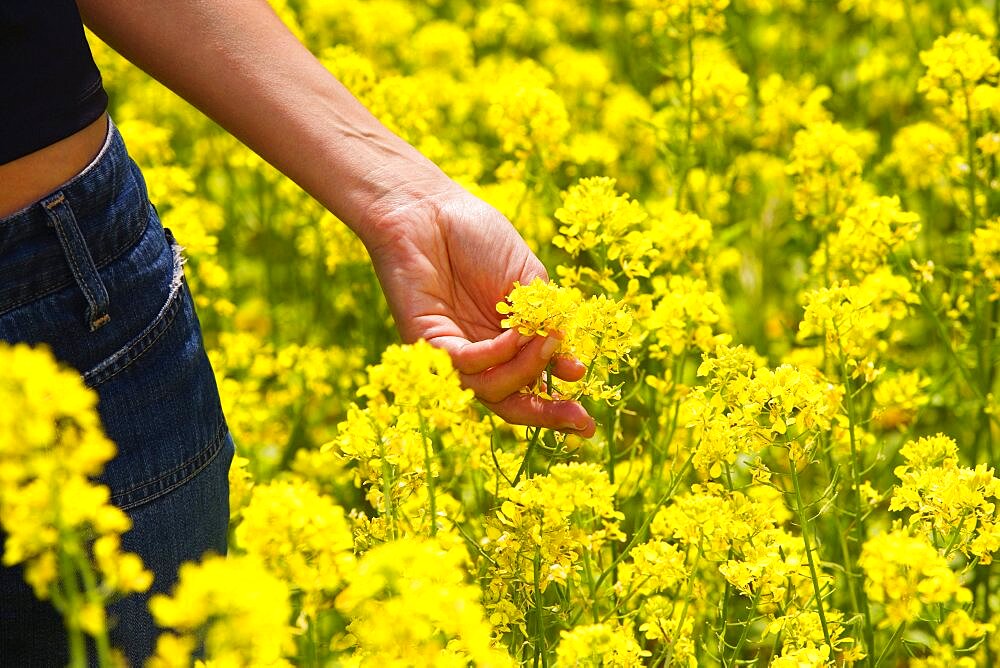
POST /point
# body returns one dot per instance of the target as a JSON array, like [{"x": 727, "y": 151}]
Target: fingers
[
  {"x": 532, "y": 410},
  {"x": 567, "y": 368},
  {"x": 472, "y": 357},
  {"x": 505, "y": 379},
  {"x": 497, "y": 369}
]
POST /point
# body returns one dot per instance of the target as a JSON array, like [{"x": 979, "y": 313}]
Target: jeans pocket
[
  {"x": 158, "y": 397},
  {"x": 157, "y": 327}
]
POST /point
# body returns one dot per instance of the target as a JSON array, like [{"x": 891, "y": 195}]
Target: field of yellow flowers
[{"x": 773, "y": 231}]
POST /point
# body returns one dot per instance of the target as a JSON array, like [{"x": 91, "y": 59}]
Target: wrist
[{"x": 399, "y": 194}]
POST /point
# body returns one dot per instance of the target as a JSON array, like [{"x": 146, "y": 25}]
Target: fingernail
[
  {"x": 522, "y": 340},
  {"x": 549, "y": 347},
  {"x": 569, "y": 426}
]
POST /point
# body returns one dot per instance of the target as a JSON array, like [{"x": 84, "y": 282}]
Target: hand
[{"x": 443, "y": 265}]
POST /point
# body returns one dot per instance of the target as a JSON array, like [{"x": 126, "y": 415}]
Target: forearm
[{"x": 238, "y": 63}]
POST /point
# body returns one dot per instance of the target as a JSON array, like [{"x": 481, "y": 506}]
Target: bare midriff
[{"x": 31, "y": 177}]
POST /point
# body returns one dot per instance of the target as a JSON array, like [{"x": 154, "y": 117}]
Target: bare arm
[
  {"x": 237, "y": 63},
  {"x": 443, "y": 257}
]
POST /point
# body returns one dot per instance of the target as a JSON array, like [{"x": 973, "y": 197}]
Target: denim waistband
[{"x": 109, "y": 208}]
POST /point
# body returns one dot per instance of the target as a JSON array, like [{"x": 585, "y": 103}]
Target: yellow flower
[
  {"x": 236, "y": 606},
  {"x": 743, "y": 409},
  {"x": 711, "y": 518},
  {"x": 409, "y": 605},
  {"x": 898, "y": 397},
  {"x": 653, "y": 566},
  {"x": 559, "y": 516},
  {"x": 810, "y": 656},
  {"x": 951, "y": 504},
  {"x": 597, "y": 331},
  {"x": 786, "y": 106},
  {"x": 51, "y": 445},
  {"x": 302, "y": 537},
  {"x": 986, "y": 255},
  {"x": 866, "y": 236},
  {"x": 528, "y": 117},
  {"x": 826, "y": 166},
  {"x": 683, "y": 19},
  {"x": 418, "y": 377},
  {"x": 539, "y": 308},
  {"x": 905, "y": 573},
  {"x": 688, "y": 316},
  {"x": 922, "y": 152},
  {"x": 598, "y": 645},
  {"x": 856, "y": 320},
  {"x": 596, "y": 219},
  {"x": 956, "y": 63}
]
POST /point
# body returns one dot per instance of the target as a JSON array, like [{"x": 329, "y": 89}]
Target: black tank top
[{"x": 49, "y": 84}]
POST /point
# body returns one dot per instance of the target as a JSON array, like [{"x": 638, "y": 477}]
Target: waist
[
  {"x": 29, "y": 178},
  {"x": 110, "y": 208}
]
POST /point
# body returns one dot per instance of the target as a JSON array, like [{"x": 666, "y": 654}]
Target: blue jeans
[{"x": 90, "y": 272}]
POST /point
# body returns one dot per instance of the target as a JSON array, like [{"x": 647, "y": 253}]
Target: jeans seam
[
  {"x": 114, "y": 255},
  {"x": 68, "y": 252},
  {"x": 180, "y": 475},
  {"x": 81, "y": 262}
]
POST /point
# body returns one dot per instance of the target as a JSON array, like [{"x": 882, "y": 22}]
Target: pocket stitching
[
  {"x": 135, "y": 348},
  {"x": 183, "y": 473}
]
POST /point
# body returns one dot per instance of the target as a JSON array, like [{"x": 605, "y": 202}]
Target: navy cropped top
[{"x": 49, "y": 84}]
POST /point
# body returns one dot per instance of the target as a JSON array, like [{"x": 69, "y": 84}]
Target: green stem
[
  {"x": 971, "y": 148},
  {"x": 93, "y": 596},
  {"x": 804, "y": 522},
  {"x": 687, "y": 601},
  {"x": 527, "y": 455},
  {"x": 986, "y": 315},
  {"x": 689, "y": 123},
  {"x": 496, "y": 462},
  {"x": 859, "y": 522},
  {"x": 746, "y": 629},
  {"x": 912, "y": 26},
  {"x": 955, "y": 534},
  {"x": 728, "y": 590},
  {"x": 640, "y": 532},
  {"x": 925, "y": 303},
  {"x": 539, "y": 644},
  {"x": 387, "y": 478},
  {"x": 724, "y": 614},
  {"x": 890, "y": 645},
  {"x": 71, "y": 613},
  {"x": 838, "y": 528},
  {"x": 428, "y": 463},
  {"x": 610, "y": 434},
  {"x": 589, "y": 573}
]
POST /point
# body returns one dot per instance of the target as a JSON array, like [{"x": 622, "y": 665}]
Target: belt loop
[{"x": 78, "y": 256}]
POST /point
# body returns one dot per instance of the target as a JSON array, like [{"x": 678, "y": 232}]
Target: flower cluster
[
  {"x": 826, "y": 165},
  {"x": 599, "y": 645},
  {"x": 956, "y": 65},
  {"x": 905, "y": 573},
  {"x": 547, "y": 524},
  {"x": 59, "y": 523},
  {"x": 952, "y": 506},
  {"x": 856, "y": 320},
  {"x": 410, "y": 604},
  {"x": 597, "y": 331},
  {"x": 302, "y": 537},
  {"x": 238, "y": 624}
]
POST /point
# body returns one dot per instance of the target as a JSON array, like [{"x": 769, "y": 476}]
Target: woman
[{"x": 86, "y": 268}]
